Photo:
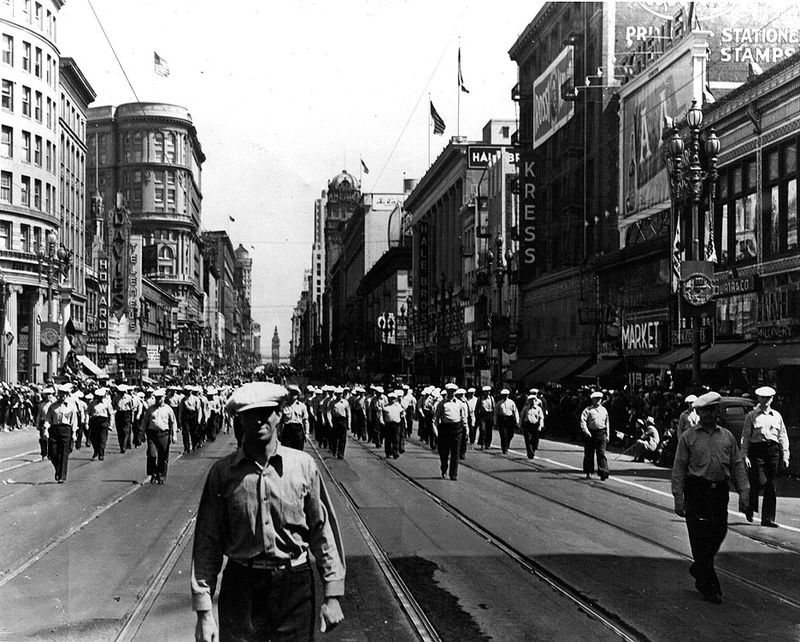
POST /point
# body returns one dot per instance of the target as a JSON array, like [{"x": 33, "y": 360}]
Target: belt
[
  {"x": 262, "y": 563},
  {"x": 702, "y": 481}
]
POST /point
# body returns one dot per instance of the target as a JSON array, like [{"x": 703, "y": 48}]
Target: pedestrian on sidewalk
[
  {"x": 765, "y": 444},
  {"x": 61, "y": 421},
  {"x": 264, "y": 508},
  {"x": 596, "y": 431},
  {"x": 707, "y": 459},
  {"x": 124, "y": 417},
  {"x": 160, "y": 429}
]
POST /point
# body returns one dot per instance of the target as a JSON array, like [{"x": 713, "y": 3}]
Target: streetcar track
[
  {"x": 18, "y": 456},
  {"x": 588, "y": 606},
  {"x": 781, "y": 597},
  {"x": 416, "y": 615}
]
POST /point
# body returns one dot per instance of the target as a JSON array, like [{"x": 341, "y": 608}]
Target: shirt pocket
[{"x": 292, "y": 503}]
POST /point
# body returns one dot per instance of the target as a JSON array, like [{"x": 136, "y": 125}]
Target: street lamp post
[
  {"x": 56, "y": 262},
  {"x": 3, "y": 338},
  {"x": 688, "y": 177}
]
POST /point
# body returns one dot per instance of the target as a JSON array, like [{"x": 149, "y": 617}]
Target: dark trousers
[
  {"x": 359, "y": 425},
  {"x": 432, "y": 438},
  {"x": 531, "y": 433},
  {"x": 58, "y": 447},
  {"x": 157, "y": 453},
  {"x": 485, "y": 437},
  {"x": 506, "y": 427},
  {"x": 393, "y": 433},
  {"x": 764, "y": 459},
  {"x": 293, "y": 436},
  {"x": 706, "y": 507},
  {"x": 595, "y": 445},
  {"x": 43, "y": 446},
  {"x": 98, "y": 435},
  {"x": 377, "y": 434},
  {"x": 123, "y": 419},
  {"x": 449, "y": 446},
  {"x": 82, "y": 432},
  {"x": 462, "y": 450},
  {"x": 338, "y": 436},
  {"x": 257, "y": 605},
  {"x": 321, "y": 433}
]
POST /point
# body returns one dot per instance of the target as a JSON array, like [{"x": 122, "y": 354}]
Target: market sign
[
  {"x": 642, "y": 338},
  {"x": 550, "y": 110}
]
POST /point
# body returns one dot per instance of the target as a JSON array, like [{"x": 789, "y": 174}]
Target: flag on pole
[
  {"x": 460, "y": 77},
  {"x": 438, "y": 122},
  {"x": 8, "y": 332},
  {"x": 677, "y": 257},
  {"x": 364, "y": 167},
  {"x": 160, "y": 66}
]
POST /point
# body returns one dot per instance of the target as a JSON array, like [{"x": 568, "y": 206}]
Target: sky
[{"x": 284, "y": 95}]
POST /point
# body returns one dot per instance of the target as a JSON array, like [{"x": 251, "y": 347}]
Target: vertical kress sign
[{"x": 527, "y": 217}]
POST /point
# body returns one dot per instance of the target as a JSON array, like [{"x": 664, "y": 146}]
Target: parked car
[{"x": 732, "y": 412}]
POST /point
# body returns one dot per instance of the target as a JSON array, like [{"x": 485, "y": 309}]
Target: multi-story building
[
  {"x": 29, "y": 185},
  {"x": 150, "y": 153},
  {"x": 219, "y": 250},
  {"x": 76, "y": 95},
  {"x": 276, "y": 348}
]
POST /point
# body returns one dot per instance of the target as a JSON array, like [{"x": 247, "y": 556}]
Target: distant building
[{"x": 276, "y": 348}]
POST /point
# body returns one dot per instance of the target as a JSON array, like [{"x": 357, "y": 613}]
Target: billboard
[
  {"x": 550, "y": 110},
  {"x": 645, "y": 182}
]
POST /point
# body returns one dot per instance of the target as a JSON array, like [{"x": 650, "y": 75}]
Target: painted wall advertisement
[
  {"x": 550, "y": 110},
  {"x": 645, "y": 181}
]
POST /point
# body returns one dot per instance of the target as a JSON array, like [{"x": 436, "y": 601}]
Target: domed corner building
[{"x": 344, "y": 195}]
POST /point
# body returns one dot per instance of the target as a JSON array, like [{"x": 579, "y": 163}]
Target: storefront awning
[
  {"x": 522, "y": 367},
  {"x": 668, "y": 359},
  {"x": 599, "y": 369},
  {"x": 769, "y": 356},
  {"x": 718, "y": 355},
  {"x": 557, "y": 368},
  {"x": 91, "y": 367}
]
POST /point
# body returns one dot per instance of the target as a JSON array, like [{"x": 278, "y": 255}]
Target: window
[
  {"x": 37, "y": 194},
  {"x": 26, "y": 101},
  {"x": 49, "y": 115},
  {"x": 791, "y": 214},
  {"x": 158, "y": 193},
  {"x": 158, "y": 147},
  {"x": 7, "y": 142},
  {"x": 5, "y": 187},
  {"x": 25, "y": 235},
  {"x": 171, "y": 192},
  {"x": 26, "y": 9},
  {"x": 47, "y": 203},
  {"x": 745, "y": 232},
  {"x": 49, "y": 70},
  {"x": 138, "y": 147},
  {"x": 37, "y": 107},
  {"x": 26, "y": 56},
  {"x": 49, "y": 157},
  {"x": 5, "y": 235},
  {"x": 25, "y": 192},
  {"x": 8, "y": 95},
  {"x": 169, "y": 147},
  {"x": 38, "y": 15},
  {"x": 8, "y": 50},
  {"x": 37, "y": 151},
  {"x": 26, "y": 147},
  {"x": 37, "y": 66}
]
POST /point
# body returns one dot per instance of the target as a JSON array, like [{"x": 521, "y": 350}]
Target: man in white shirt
[
  {"x": 450, "y": 420},
  {"x": 506, "y": 416},
  {"x": 596, "y": 431}
]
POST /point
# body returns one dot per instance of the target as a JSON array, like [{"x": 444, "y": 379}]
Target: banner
[{"x": 550, "y": 110}]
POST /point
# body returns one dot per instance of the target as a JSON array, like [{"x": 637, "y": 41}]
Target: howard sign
[{"x": 641, "y": 338}]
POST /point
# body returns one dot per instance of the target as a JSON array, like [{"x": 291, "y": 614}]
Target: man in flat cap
[
  {"x": 160, "y": 429},
  {"x": 450, "y": 422},
  {"x": 265, "y": 508},
  {"x": 294, "y": 421},
  {"x": 596, "y": 430},
  {"x": 707, "y": 458},
  {"x": 506, "y": 418},
  {"x": 61, "y": 422},
  {"x": 765, "y": 444}
]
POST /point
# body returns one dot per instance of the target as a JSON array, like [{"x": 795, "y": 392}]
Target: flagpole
[
  {"x": 429, "y": 129},
  {"x": 458, "y": 92}
]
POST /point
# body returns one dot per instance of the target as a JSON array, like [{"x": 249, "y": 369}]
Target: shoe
[
  {"x": 121, "y": 451},
  {"x": 101, "y": 457},
  {"x": 603, "y": 476},
  {"x": 153, "y": 480},
  {"x": 453, "y": 478},
  {"x": 748, "y": 515},
  {"x": 444, "y": 474},
  {"x": 769, "y": 523},
  {"x": 588, "y": 476},
  {"x": 61, "y": 481},
  {"x": 160, "y": 481},
  {"x": 44, "y": 457},
  {"x": 713, "y": 597}
]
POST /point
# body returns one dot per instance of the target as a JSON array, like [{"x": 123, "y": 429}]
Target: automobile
[{"x": 732, "y": 411}]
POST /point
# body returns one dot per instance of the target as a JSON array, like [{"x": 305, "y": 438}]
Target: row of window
[
  {"x": 739, "y": 232},
  {"x": 32, "y": 149},
  {"x": 73, "y": 117},
  {"x": 29, "y": 240},
  {"x": 31, "y": 103},
  {"x": 34, "y": 14},
  {"x": 136, "y": 147},
  {"x": 13, "y": 193},
  {"x": 165, "y": 191},
  {"x": 31, "y": 60}
]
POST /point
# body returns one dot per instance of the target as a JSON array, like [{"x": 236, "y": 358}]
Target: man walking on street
[
  {"x": 765, "y": 444},
  {"x": 101, "y": 420},
  {"x": 391, "y": 420},
  {"x": 124, "y": 417},
  {"x": 596, "y": 432},
  {"x": 506, "y": 415},
  {"x": 341, "y": 421},
  {"x": 532, "y": 424},
  {"x": 450, "y": 421},
  {"x": 264, "y": 508},
  {"x": 706, "y": 460},
  {"x": 484, "y": 416},
  {"x": 294, "y": 421},
  {"x": 160, "y": 429},
  {"x": 61, "y": 422}
]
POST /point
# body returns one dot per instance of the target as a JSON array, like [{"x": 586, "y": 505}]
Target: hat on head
[
  {"x": 140, "y": 394},
  {"x": 708, "y": 399},
  {"x": 690, "y": 398},
  {"x": 461, "y": 391},
  {"x": 255, "y": 394},
  {"x": 470, "y": 390},
  {"x": 65, "y": 387},
  {"x": 78, "y": 394},
  {"x": 338, "y": 390},
  {"x": 159, "y": 392},
  {"x": 640, "y": 422},
  {"x": 293, "y": 388},
  {"x": 450, "y": 386},
  {"x": 650, "y": 420},
  {"x": 505, "y": 391},
  {"x": 486, "y": 389},
  {"x": 531, "y": 396},
  {"x": 101, "y": 392},
  {"x": 596, "y": 395},
  {"x": 765, "y": 391},
  {"x": 310, "y": 388},
  {"x": 379, "y": 389},
  {"x": 405, "y": 386},
  {"x": 534, "y": 391}
]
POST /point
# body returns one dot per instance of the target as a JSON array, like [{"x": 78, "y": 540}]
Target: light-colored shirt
[
  {"x": 341, "y": 409},
  {"x": 760, "y": 425},
  {"x": 451, "y": 411},
  {"x": 392, "y": 413},
  {"x": 62, "y": 412},
  {"x": 279, "y": 511},
  {"x": 100, "y": 407},
  {"x": 687, "y": 420},
  {"x": 295, "y": 413},
  {"x": 160, "y": 418},
  {"x": 532, "y": 414},
  {"x": 595, "y": 418},
  {"x": 506, "y": 408},
  {"x": 711, "y": 454}
]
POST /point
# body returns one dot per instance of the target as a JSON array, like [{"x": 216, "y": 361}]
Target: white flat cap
[
  {"x": 690, "y": 398},
  {"x": 255, "y": 394},
  {"x": 708, "y": 399},
  {"x": 596, "y": 395},
  {"x": 765, "y": 391}
]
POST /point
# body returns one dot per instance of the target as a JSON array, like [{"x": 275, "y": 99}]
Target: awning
[
  {"x": 91, "y": 367},
  {"x": 522, "y": 367},
  {"x": 769, "y": 356},
  {"x": 557, "y": 368},
  {"x": 718, "y": 355},
  {"x": 676, "y": 355},
  {"x": 599, "y": 369}
]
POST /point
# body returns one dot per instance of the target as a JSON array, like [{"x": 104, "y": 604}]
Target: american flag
[
  {"x": 677, "y": 257},
  {"x": 160, "y": 66},
  {"x": 438, "y": 122}
]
